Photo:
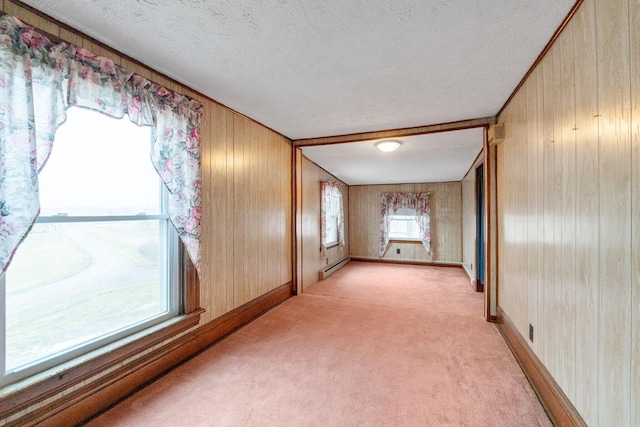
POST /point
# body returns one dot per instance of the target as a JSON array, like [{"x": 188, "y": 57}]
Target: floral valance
[
  {"x": 39, "y": 80},
  {"x": 330, "y": 192},
  {"x": 391, "y": 202}
]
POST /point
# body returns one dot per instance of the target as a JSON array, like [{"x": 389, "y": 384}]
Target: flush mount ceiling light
[{"x": 388, "y": 145}]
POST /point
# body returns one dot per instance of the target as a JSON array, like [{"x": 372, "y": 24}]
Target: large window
[{"x": 101, "y": 261}]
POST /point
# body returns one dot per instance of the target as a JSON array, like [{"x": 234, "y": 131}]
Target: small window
[
  {"x": 331, "y": 222},
  {"x": 404, "y": 226},
  {"x": 101, "y": 262}
]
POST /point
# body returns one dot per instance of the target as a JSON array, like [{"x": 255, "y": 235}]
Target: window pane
[
  {"x": 70, "y": 283},
  {"x": 99, "y": 166},
  {"x": 404, "y": 227}
]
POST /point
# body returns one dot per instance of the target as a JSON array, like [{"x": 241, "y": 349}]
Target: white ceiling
[
  {"x": 435, "y": 157},
  {"x": 316, "y": 68}
]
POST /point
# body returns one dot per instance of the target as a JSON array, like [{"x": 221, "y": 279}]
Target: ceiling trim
[
  {"x": 397, "y": 133},
  {"x": 552, "y": 40}
]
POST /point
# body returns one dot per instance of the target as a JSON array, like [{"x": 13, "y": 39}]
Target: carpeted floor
[{"x": 372, "y": 345}]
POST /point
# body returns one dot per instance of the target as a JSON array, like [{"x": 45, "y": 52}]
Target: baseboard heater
[{"x": 332, "y": 268}]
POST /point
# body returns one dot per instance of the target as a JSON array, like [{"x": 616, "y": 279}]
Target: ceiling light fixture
[{"x": 388, "y": 145}]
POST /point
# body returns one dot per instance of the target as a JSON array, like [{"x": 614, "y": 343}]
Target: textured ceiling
[
  {"x": 435, "y": 157},
  {"x": 312, "y": 68}
]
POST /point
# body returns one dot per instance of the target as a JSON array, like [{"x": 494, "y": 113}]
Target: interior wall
[
  {"x": 469, "y": 225},
  {"x": 312, "y": 262},
  {"x": 446, "y": 222},
  {"x": 568, "y": 184},
  {"x": 246, "y": 191}
]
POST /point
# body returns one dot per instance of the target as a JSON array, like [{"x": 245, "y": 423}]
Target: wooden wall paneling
[
  {"x": 285, "y": 210},
  {"x": 229, "y": 202},
  {"x": 533, "y": 261},
  {"x": 612, "y": 35},
  {"x": 207, "y": 149},
  {"x": 310, "y": 229},
  {"x": 539, "y": 341},
  {"x": 262, "y": 243},
  {"x": 567, "y": 269},
  {"x": 560, "y": 368},
  {"x": 251, "y": 265},
  {"x": 222, "y": 198},
  {"x": 587, "y": 200},
  {"x": 31, "y": 18},
  {"x": 546, "y": 330},
  {"x": 238, "y": 210},
  {"x": 521, "y": 214},
  {"x": 74, "y": 39},
  {"x": 634, "y": 23}
]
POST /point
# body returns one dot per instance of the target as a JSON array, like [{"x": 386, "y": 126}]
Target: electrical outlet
[
  {"x": 530, "y": 332},
  {"x": 398, "y": 251},
  {"x": 327, "y": 261},
  {"x": 471, "y": 266}
]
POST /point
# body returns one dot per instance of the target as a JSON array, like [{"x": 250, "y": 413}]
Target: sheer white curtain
[{"x": 330, "y": 193}]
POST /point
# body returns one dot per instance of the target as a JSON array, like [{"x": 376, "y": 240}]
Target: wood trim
[
  {"x": 555, "y": 402},
  {"x": 397, "y": 133},
  {"x": 191, "y": 281},
  {"x": 408, "y": 262},
  {"x": 296, "y": 215},
  {"x": 46, "y": 388},
  {"x": 488, "y": 206},
  {"x": 555, "y": 35},
  {"x": 91, "y": 399}
]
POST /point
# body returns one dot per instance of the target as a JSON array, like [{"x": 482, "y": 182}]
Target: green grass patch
[{"x": 56, "y": 257}]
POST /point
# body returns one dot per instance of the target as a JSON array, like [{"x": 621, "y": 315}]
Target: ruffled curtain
[
  {"x": 330, "y": 192},
  {"x": 391, "y": 202},
  {"x": 39, "y": 80}
]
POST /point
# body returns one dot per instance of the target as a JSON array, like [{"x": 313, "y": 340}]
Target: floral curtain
[
  {"x": 391, "y": 202},
  {"x": 330, "y": 192},
  {"x": 39, "y": 80}
]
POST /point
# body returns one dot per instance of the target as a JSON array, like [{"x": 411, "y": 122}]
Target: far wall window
[{"x": 404, "y": 225}]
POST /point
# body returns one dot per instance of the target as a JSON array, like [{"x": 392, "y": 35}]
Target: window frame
[
  {"x": 47, "y": 375},
  {"x": 402, "y": 238}
]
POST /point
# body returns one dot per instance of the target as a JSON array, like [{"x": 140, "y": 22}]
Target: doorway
[{"x": 480, "y": 229}]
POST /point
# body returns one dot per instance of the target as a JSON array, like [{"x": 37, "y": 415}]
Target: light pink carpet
[{"x": 372, "y": 345}]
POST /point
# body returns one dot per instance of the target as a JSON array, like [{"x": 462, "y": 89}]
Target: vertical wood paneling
[
  {"x": 446, "y": 222},
  {"x": 531, "y": 214},
  {"x": 634, "y": 23},
  {"x": 587, "y": 205},
  {"x": 612, "y": 30},
  {"x": 229, "y": 203},
  {"x": 546, "y": 332},
  {"x": 539, "y": 344},
  {"x": 580, "y": 186},
  {"x": 567, "y": 270}
]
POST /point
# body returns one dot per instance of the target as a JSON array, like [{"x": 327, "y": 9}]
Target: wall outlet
[
  {"x": 398, "y": 251},
  {"x": 327, "y": 261},
  {"x": 471, "y": 266},
  {"x": 530, "y": 332}
]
